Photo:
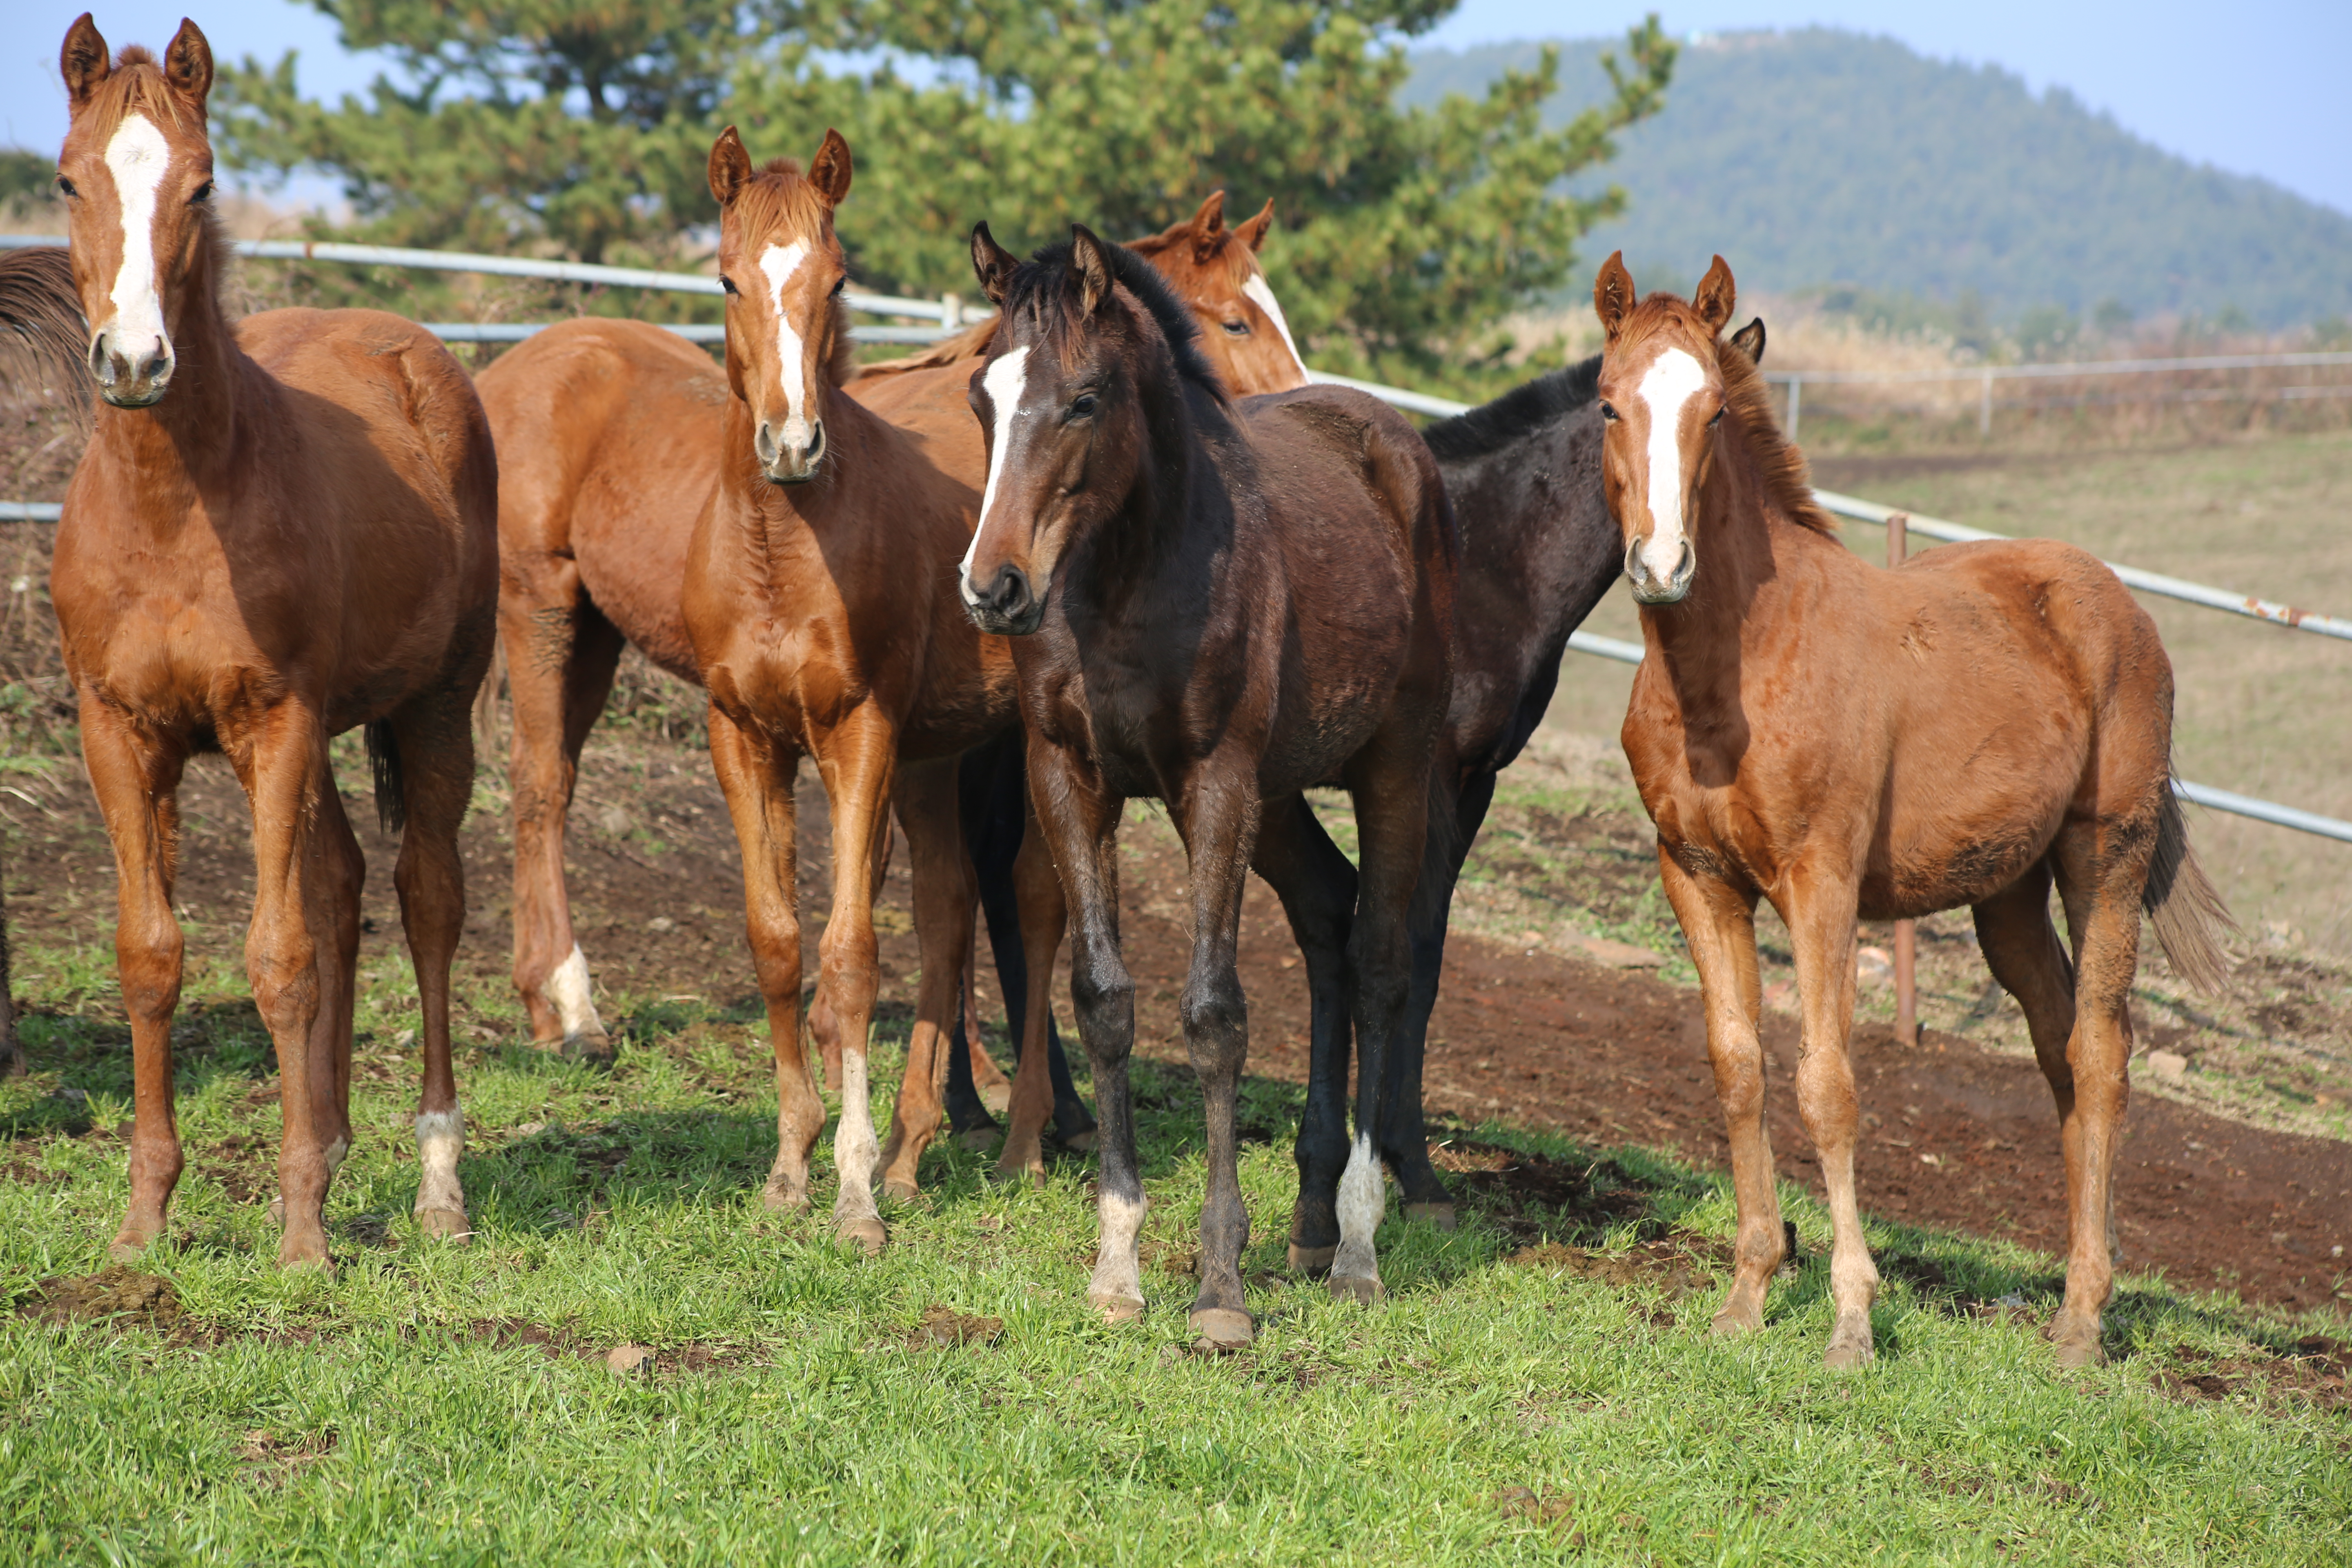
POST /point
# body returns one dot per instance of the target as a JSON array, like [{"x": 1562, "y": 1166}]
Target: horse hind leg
[
  {"x": 434, "y": 741},
  {"x": 943, "y": 925}
]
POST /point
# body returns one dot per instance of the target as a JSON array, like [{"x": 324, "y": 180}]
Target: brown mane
[
  {"x": 1787, "y": 476},
  {"x": 137, "y": 81},
  {"x": 780, "y": 196}
]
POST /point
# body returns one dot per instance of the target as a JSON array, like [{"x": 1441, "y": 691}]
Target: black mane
[
  {"x": 1493, "y": 425},
  {"x": 1044, "y": 286}
]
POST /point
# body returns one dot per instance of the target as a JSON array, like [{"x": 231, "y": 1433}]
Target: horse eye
[
  {"x": 1717, "y": 420},
  {"x": 1082, "y": 405},
  {"x": 204, "y": 193},
  {"x": 727, "y": 283},
  {"x": 66, "y": 186},
  {"x": 1609, "y": 412},
  {"x": 839, "y": 284},
  {"x": 1236, "y": 328}
]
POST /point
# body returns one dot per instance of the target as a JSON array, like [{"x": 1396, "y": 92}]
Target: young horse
[
  {"x": 280, "y": 531},
  {"x": 608, "y": 433},
  {"x": 1846, "y": 741},
  {"x": 1214, "y": 606}
]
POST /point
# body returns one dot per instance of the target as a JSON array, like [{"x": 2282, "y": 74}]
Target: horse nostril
[{"x": 1008, "y": 596}]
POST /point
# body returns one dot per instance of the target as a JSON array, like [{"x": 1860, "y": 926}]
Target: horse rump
[{"x": 2184, "y": 906}]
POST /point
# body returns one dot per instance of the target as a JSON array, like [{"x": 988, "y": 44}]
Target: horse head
[
  {"x": 788, "y": 340},
  {"x": 1215, "y": 271},
  {"x": 137, "y": 174},
  {"x": 1662, "y": 399},
  {"x": 1090, "y": 339}
]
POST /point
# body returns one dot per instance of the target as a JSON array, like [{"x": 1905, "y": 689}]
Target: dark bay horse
[
  {"x": 1217, "y": 607},
  {"x": 608, "y": 436},
  {"x": 1851, "y": 741},
  {"x": 280, "y": 530}
]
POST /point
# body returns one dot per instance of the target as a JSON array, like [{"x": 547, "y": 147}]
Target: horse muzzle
[
  {"x": 1651, "y": 589},
  {"x": 132, "y": 379},
  {"x": 790, "y": 455},
  {"x": 1009, "y": 606}
]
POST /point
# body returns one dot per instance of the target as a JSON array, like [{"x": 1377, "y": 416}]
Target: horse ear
[
  {"x": 1749, "y": 340},
  {"x": 1717, "y": 297},
  {"x": 188, "y": 63},
  {"x": 991, "y": 262},
  {"x": 82, "y": 61},
  {"x": 1612, "y": 294},
  {"x": 1209, "y": 227},
  {"x": 1254, "y": 232},
  {"x": 1093, "y": 267},
  {"x": 730, "y": 167},
  {"x": 829, "y": 170}
]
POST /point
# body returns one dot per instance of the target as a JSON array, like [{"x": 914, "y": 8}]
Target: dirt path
[{"x": 1956, "y": 1137}]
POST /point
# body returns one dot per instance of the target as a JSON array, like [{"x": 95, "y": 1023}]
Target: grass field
[{"x": 1540, "y": 1387}]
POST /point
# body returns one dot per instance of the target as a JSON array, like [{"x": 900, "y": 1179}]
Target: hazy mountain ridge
[{"x": 1821, "y": 157}]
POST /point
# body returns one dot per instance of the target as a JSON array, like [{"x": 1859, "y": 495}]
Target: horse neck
[
  {"x": 1154, "y": 521},
  {"x": 191, "y": 436},
  {"x": 1753, "y": 562}
]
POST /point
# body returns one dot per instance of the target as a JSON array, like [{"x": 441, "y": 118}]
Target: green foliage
[
  {"x": 27, "y": 175},
  {"x": 1819, "y": 157},
  {"x": 582, "y": 130}
]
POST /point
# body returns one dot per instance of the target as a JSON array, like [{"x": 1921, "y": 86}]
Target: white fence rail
[{"x": 949, "y": 316}]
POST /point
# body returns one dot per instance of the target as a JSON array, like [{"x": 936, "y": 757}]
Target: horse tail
[
  {"x": 41, "y": 335},
  {"x": 2185, "y": 907},
  {"x": 384, "y": 761}
]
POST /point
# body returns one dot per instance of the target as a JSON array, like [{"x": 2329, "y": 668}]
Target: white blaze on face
[
  {"x": 1259, "y": 290},
  {"x": 778, "y": 265},
  {"x": 1666, "y": 387},
  {"x": 138, "y": 157},
  {"x": 1004, "y": 383}
]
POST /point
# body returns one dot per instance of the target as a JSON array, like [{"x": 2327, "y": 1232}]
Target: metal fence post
[
  {"x": 951, "y": 312},
  {"x": 1907, "y": 933},
  {"x": 1984, "y": 406},
  {"x": 1796, "y": 404}
]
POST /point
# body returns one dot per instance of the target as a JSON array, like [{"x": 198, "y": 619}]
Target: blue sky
[{"x": 2259, "y": 91}]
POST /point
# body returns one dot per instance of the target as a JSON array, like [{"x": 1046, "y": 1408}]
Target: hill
[{"x": 1821, "y": 157}]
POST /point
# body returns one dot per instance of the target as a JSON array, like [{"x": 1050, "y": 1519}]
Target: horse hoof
[
  {"x": 1364, "y": 1292},
  {"x": 785, "y": 1197},
  {"x": 1117, "y": 1309},
  {"x": 1312, "y": 1260},
  {"x": 1031, "y": 1174},
  {"x": 1221, "y": 1329},
  {"x": 305, "y": 1254},
  {"x": 864, "y": 1231},
  {"x": 1850, "y": 1346},
  {"x": 1441, "y": 1215},
  {"x": 278, "y": 1212},
  {"x": 898, "y": 1190},
  {"x": 997, "y": 1097},
  {"x": 979, "y": 1140},
  {"x": 1731, "y": 1321},
  {"x": 1085, "y": 1142},
  {"x": 449, "y": 1225},
  {"x": 596, "y": 1050},
  {"x": 2077, "y": 1345},
  {"x": 128, "y": 1247}
]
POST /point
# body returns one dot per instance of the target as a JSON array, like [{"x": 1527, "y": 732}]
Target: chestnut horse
[
  {"x": 1216, "y": 606},
  {"x": 280, "y": 530},
  {"x": 609, "y": 433},
  {"x": 1848, "y": 742}
]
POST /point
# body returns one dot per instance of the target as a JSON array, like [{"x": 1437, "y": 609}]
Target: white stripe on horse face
[
  {"x": 1259, "y": 290},
  {"x": 1004, "y": 383},
  {"x": 1667, "y": 387},
  {"x": 138, "y": 157},
  {"x": 777, "y": 263}
]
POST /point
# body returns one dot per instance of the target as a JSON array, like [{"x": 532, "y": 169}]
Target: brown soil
[{"x": 1955, "y": 1136}]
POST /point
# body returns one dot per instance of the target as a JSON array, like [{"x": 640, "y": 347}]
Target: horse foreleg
[
  {"x": 435, "y": 744},
  {"x": 560, "y": 655},
  {"x": 1078, "y": 820},
  {"x": 1317, "y": 889},
  {"x": 136, "y": 783},
  {"x": 944, "y": 898},
  {"x": 1719, "y": 923},
  {"x": 756, "y": 776},
  {"x": 1820, "y": 909},
  {"x": 856, "y": 758},
  {"x": 282, "y": 764},
  {"x": 1044, "y": 911}
]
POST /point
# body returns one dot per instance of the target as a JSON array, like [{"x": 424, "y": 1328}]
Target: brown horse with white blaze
[
  {"x": 1217, "y": 605},
  {"x": 1849, "y": 742},
  {"x": 280, "y": 530}
]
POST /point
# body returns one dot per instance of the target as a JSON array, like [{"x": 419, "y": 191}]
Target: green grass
[{"x": 404, "y": 1411}]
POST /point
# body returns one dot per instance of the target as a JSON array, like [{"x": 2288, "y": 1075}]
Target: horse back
[{"x": 608, "y": 435}]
